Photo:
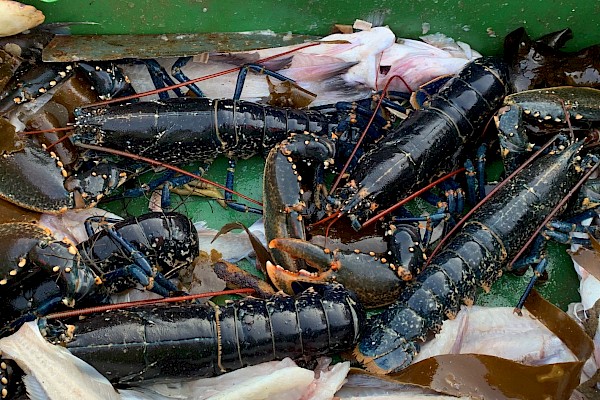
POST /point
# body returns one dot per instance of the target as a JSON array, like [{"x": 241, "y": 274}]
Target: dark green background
[{"x": 466, "y": 20}]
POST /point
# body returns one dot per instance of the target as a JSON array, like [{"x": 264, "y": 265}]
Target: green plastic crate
[{"x": 482, "y": 24}]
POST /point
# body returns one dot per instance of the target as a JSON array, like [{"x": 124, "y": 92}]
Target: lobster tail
[
  {"x": 202, "y": 340},
  {"x": 476, "y": 257},
  {"x": 430, "y": 139}
]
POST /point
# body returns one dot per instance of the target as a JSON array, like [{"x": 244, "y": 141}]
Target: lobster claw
[
  {"x": 88, "y": 187},
  {"x": 289, "y": 166},
  {"x": 362, "y": 273}
]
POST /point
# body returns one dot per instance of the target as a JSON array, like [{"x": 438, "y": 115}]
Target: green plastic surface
[{"x": 481, "y": 24}]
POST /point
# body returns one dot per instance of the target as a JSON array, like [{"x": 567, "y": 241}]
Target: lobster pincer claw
[
  {"x": 290, "y": 169},
  {"x": 375, "y": 281}
]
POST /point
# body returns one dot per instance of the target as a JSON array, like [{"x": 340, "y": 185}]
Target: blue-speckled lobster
[{"x": 39, "y": 274}]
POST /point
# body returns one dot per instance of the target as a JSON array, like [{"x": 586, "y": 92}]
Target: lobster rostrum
[
  {"x": 162, "y": 342},
  {"x": 475, "y": 257},
  {"x": 529, "y": 118}
]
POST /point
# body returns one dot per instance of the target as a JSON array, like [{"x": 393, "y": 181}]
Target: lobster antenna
[
  {"x": 121, "y": 306},
  {"x": 412, "y": 196},
  {"x": 364, "y": 133},
  {"x": 51, "y": 130},
  {"x": 199, "y": 79},
  {"x": 554, "y": 211},
  {"x": 328, "y": 228},
  {"x": 322, "y": 221},
  {"x": 478, "y": 205},
  {"x": 62, "y": 139},
  {"x": 167, "y": 166},
  {"x": 567, "y": 119}
]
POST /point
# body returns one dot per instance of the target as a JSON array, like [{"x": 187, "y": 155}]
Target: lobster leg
[
  {"x": 160, "y": 78},
  {"x": 139, "y": 269},
  {"x": 177, "y": 72},
  {"x": 538, "y": 271},
  {"x": 239, "y": 85},
  {"x": 229, "y": 196},
  {"x": 471, "y": 181},
  {"x": 481, "y": 151}
]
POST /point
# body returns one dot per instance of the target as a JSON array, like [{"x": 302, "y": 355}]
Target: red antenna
[
  {"x": 553, "y": 213},
  {"x": 168, "y": 166},
  {"x": 51, "y": 130},
  {"x": 412, "y": 196},
  {"x": 120, "y": 306}
]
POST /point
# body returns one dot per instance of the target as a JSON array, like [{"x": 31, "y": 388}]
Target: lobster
[
  {"x": 41, "y": 180},
  {"x": 158, "y": 342},
  {"x": 429, "y": 142},
  {"x": 181, "y": 130},
  {"x": 475, "y": 257},
  {"x": 40, "y": 274}
]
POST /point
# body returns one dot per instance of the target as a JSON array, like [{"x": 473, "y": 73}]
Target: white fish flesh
[
  {"x": 344, "y": 67},
  {"x": 270, "y": 380},
  {"x": 498, "y": 331},
  {"x": 52, "y": 372},
  {"x": 589, "y": 290},
  {"x": 70, "y": 224}
]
